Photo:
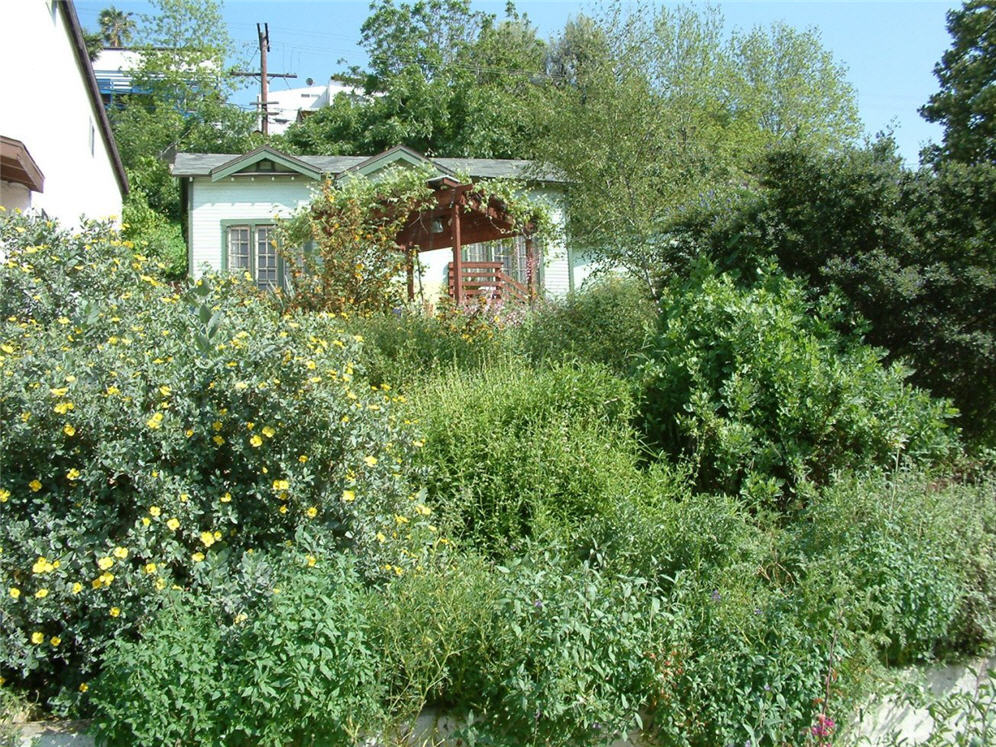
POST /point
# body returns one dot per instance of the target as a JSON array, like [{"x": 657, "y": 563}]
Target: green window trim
[{"x": 253, "y": 259}]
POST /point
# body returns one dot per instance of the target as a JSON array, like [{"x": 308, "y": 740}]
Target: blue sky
[{"x": 889, "y": 48}]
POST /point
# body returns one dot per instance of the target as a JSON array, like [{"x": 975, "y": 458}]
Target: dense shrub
[
  {"x": 760, "y": 393},
  {"x": 150, "y": 435},
  {"x": 564, "y": 660},
  {"x": 404, "y": 348},
  {"x": 605, "y": 322},
  {"x": 513, "y": 452},
  {"x": 911, "y": 558},
  {"x": 153, "y": 235},
  {"x": 913, "y": 252},
  {"x": 297, "y": 667}
]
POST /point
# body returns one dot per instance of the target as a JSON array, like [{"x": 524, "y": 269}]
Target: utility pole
[{"x": 263, "y": 32}]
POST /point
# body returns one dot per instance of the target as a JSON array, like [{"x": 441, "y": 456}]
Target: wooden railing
[{"x": 489, "y": 280}]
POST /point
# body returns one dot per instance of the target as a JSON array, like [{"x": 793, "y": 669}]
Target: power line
[{"x": 263, "y": 32}]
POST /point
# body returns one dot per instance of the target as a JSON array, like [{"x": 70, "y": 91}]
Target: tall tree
[
  {"x": 966, "y": 103},
  {"x": 656, "y": 109},
  {"x": 181, "y": 98},
  {"x": 443, "y": 78},
  {"x": 116, "y": 27}
]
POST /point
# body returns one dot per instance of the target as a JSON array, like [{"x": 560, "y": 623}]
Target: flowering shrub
[{"x": 152, "y": 436}]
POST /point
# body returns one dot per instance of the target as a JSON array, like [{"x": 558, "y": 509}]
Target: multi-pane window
[{"x": 253, "y": 249}]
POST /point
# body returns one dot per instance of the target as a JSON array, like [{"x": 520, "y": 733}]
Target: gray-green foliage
[
  {"x": 606, "y": 322},
  {"x": 761, "y": 393}
]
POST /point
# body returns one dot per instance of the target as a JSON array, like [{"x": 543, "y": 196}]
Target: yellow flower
[
  {"x": 283, "y": 509},
  {"x": 55, "y": 640},
  {"x": 348, "y": 496},
  {"x": 150, "y": 568},
  {"x": 115, "y": 612},
  {"x": 218, "y": 440},
  {"x": 268, "y": 431},
  {"x": 4, "y": 495},
  {"x": 312, "y": 512},
  {"x": 371, "y": 461},
  {"x": 42, "y": 566},
  {"x": 41, "y": 593},
  {"x": 104, "y": 563},
  {"x": 37, "y": 637},
  {"x": 121, "y": 552},
  {"x": 189, "y": 432},
  {"x": 226, "y": 498},
  {"x": 173, "y": 524},
  {"x": 207, "y": 538},
  {"x": 240, "y": 386},
  {"x": 197, "y": 557},
  {"x": 60, "y": 392},
  {"x": 69, "y": 430},
  {"x": 256, "y": 441},
  {"x": 77, "y": 587},
  {"x": 15, "y": 592},
  {"x": 73, "y": 474},
  {"x": 155, "y": 510},
  {"x": 84, "y": 687},
  {"x": 146, "y": 521},
  {"x": 381, "y": 537},
  {"x": 165, "y": 390},
  {"x": 303, "y": 458},
  {"x": 35, "y": 486},
  {"x": 184, "y": 497},
  {"x": 281, "y": 484},
  {"x": 401, "y": 519},
  {"x": 312, "y": 560},
  {"x": 155, "y": 421},
  {"x": 63, "y": 407},
  {"x": 160, "y": 584},
  {"x": 422, "y": 509},
  {"x": 111, "y": 390}
]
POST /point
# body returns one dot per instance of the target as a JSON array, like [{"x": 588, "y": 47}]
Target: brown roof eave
[{"x": 83, "y": 61}]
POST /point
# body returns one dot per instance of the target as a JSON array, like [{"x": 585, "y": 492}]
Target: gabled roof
[
  {"x": 395, "y": 155},
  {"x": 264, "y": 153},
  {"x": 204, "y": 164},
  {"x": 93, "y": 91}
]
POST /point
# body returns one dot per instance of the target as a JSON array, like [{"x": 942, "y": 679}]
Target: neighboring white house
[
  {"x": 290, "y": 105},
  {"x": 232, "y": 203},
  {"x": 57, "y": 152}
]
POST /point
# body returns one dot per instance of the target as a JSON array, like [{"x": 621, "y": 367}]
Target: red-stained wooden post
[
  {"x": 530, "y": 268},
  {"x": 410, "y": 270},
  {"x": 457, "y": 256}
]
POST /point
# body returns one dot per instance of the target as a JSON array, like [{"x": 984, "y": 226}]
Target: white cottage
[{"x": 232, "y": 204}]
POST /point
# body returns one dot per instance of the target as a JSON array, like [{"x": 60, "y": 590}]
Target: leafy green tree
[
  {"x": 116, "y": 27},
  {"x": 913, "y": 252},
  {"x": 180, "y": 104},
  {"x": 654, "y": 111},
  {"x": 966, "y": 103},
  {"x": 442, "y": 78}
]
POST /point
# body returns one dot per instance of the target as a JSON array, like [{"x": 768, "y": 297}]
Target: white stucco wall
[
  {"x": 47, "y": 107},
  {"x": 249, "y": 198}
]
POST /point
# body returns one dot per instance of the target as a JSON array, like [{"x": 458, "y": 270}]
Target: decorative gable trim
[
  {"x": 263, "y": 153},
  {"x": 399, "y": 153}
]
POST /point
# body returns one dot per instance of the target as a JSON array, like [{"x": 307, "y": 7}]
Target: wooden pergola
[{"x": 462, "y": 215}]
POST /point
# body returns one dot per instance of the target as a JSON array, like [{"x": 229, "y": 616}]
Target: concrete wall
[{"x": 46, "y": 105}]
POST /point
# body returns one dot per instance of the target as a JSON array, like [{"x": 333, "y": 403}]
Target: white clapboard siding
[{"x": 259, "y": 198}]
